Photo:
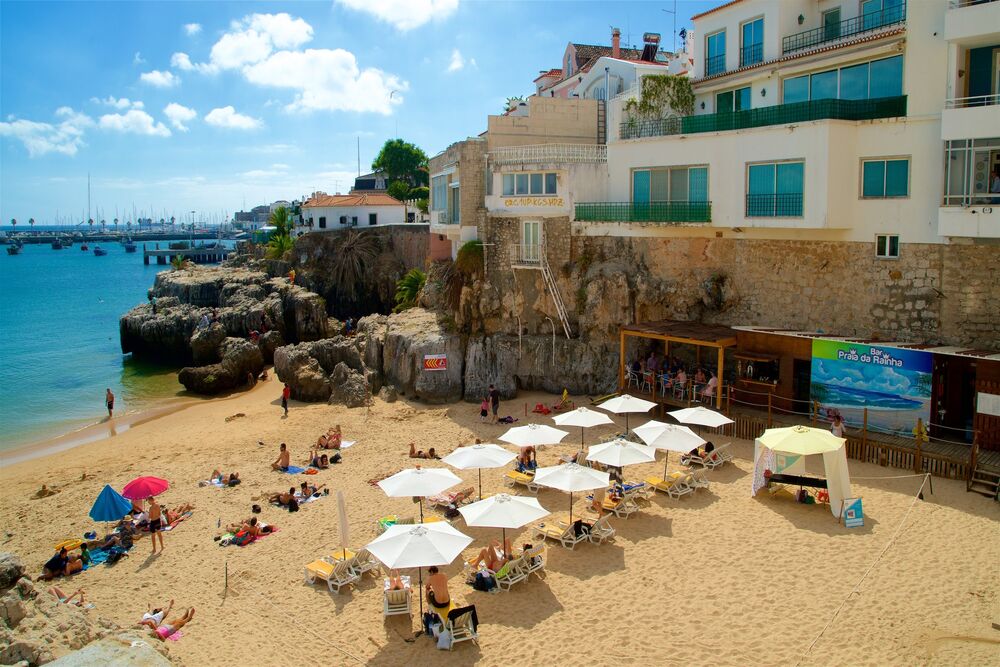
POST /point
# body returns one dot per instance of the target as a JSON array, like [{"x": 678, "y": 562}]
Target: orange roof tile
[
  {"x": 367, "y": 199},
  {"x": 715, "y": 9},
  {"x": 551, "y": 72}
]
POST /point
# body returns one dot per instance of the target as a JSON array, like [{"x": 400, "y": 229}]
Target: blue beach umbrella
[{"x": 109, "y": 506}]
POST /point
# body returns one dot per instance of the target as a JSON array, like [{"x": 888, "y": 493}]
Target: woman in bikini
[{"x": 173, "y": 625}]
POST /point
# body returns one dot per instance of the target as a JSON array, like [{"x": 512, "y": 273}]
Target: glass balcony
[
  {"x": 774, "y": 206},
  {"x": 847, "y": 28},
  {"x": 659, "y": 212},
  {"x": 715, "y": 65},
  {"x": 779, "y": 114}
]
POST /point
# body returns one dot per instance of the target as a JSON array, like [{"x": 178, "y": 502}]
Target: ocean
[{"x": 59, "y": 313}]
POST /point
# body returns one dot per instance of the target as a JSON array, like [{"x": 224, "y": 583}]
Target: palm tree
[
  {"x": 279, "y": 245},
  {"x": 91, "y": 223},
  {"x": 352, "y": 260},
  {"x": 408, "y": 289},
  {"x": 31, "y": 221},
  {"x": 13, "y": 223},
  {"x": 281, "y": 221},
  {"x": 128, "y": 225},
  {"x": 172, "y": 219},
  {"x": 102, "y": 225}
]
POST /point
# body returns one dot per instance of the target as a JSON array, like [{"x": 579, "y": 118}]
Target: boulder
[
  {"x": 205, "y": 343},
  {"x": 240, "y": 358},
  {"x": 348, "y": 387},
  {"x": 127, "y": 648},
  {"x": 207, "y": 380},
  {"x": 296, "y": 367},
  {"x": 410, "y": 336},
  {"x": 11, "y": 569},
  {"x": 268, "y": 343},
  {"x": 387, "y": 394}
]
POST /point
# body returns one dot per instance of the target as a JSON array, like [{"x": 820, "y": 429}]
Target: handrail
[
  {"x": 855, "y": 25},
  {"x": 975, "y": 101},
  {"x": 549, "y": 153},
  {"x": 956, "y": 4},
  {"x": 751, "y": 55},
  {"x": 788, "y": 205}
]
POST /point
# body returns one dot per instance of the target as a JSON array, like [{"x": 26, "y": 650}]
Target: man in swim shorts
[{"x": 155, "y": 523}]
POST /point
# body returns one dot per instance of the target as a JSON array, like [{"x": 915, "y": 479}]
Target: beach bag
[
  {"x": 451, "y": 512},
  {"x": 484, "y": 582},
  {"x": 336, "y": 458},
  {"x": 430, "y": 620},
  {"x": 241, "y": 539},
  {"x": 444, "y": 640}
]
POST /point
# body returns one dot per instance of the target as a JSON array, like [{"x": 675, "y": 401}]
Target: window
[
  {"x": 439, "y": 193},
  {"x": 550, "y": 183},
  {"x": 887, "y": 246},
  {"x": 322, "y": 222},
  {"x": 373, "y": 218},
  {"x": 823, "y": 85},
  {"x": 536, "y": 184},
  {"x": 885, "y": 179},
  {"x": 354, "y": 221},
  {"x": 489, "y": 181},
  {"x": 752, "y": 42},
  {"x": 343, "y": 219},
  {"x": 796, "y": 89},
  {"x": 774, "y": 190},
  {"x": 831, "y": 24},
  {"x": 521, "y": 181},
  {"x": 968, "y": 172},
  {"x": 508, "y": 185},
  {"x": 733, "y": 100},
  {"x": 533, "y": 184},
  {"x": 715, "y": 53},
  {"x": 877, "y": 13},
  {"x": 670, "y": 184}
]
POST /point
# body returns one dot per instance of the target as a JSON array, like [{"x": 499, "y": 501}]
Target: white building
[
  {"x": 824, "y": 121},
  {"x": 323, "y": 212}
]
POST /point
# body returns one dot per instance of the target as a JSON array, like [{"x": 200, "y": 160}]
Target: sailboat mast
[{"x": 88, "y": 195}]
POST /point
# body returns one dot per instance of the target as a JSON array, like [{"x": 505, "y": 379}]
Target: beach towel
[
  {"x": 176, "y": 636},
  {"x": 346, "y": 444},
  {"x": 227, "y": 538},
  {"x": 293, "y": 470},
  {"x": 179, "y": 519},
  {"x": 101, "y": 556}
]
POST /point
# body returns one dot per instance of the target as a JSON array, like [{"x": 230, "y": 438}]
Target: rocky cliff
[{"x": 37, "y": 629}]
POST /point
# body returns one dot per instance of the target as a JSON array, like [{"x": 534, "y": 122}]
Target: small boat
[
  {"x": 99, "y": 251},
  {"x": 129, "y": 246},
  {"x": 57, "y": 244},
  {"x": 14, "y": 249}
]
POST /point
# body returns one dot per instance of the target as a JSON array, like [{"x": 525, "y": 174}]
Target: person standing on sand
[
  {"x": 494, "y": 396},
  {"x": 155, "y": 523},
  {"x": 109, "y": 400},
  {"x": 286, "y": 394}
]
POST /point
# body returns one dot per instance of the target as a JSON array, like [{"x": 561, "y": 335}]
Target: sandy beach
[{"x": 716, "y": 578}]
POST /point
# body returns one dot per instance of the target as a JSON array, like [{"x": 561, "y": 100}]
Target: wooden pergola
[{"x": 688, "y": 333}]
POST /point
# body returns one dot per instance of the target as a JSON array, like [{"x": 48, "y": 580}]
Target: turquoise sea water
[{"x": 59, "y": 313}]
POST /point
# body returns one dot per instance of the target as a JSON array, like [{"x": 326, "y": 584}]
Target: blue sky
[{"x": 181, "y": 106}]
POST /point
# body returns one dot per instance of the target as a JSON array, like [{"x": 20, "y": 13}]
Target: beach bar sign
[
  {"x": 435, "y": 362},
  {"x": 893, "y": 384}
]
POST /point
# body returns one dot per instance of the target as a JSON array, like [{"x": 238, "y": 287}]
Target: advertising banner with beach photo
[{"x": 893, "y": 383}]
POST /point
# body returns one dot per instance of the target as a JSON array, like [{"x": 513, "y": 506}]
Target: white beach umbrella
[
  {"x": 532, "y": 435},
  {"x": 419, "y": 482},
  {"x": 701, "y": 416},
  {"x": 419, "y": 546},
  {"x": 479, "y": 456},
  {"x": 625, "y": 404},
  {"x": 503, "y": 511},
  {"x": 669, "y": 438},
  {"x": 584, "y": 418},
  {"x": 620, "y": 453},
  {"x": 571, "y": 477}
]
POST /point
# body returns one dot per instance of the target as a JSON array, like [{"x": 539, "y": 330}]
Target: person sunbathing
[
  {"x": 492, "y": 557},
  {"x": 173, "y": 625},
  {"x": 174, "y": 515},
  {"x": 308, "y": 490},
  {"x": 231, "y": 479},
  {"x": 247, "y": 527},
  {"x": 395, "y": 581},
  {"x": 317, "y": 460},
  {"x": 68, "y": 599},
  {"x": 282, "y": 498},
  {"x": 420, "y": 454},
  {"x": 334, "y": 437},
  {"x": 322, "y": 442},
  {"x": 154, "y": 617},
  {"x": 282, "y": 462}
]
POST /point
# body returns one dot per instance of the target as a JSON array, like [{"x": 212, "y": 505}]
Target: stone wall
[
  {"x": 469, "y": 159},
  {"x": 550, "y": 120}
]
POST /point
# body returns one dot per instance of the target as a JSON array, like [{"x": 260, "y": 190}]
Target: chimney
[{"x": 616, "y": 39}]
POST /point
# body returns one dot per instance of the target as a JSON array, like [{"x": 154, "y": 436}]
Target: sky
[{"x": 207, "y": 107}]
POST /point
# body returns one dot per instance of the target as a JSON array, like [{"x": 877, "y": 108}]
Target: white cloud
[
  {"x": 178, "y": 115},
  {"x": 160, "y": 79},
  {"x": 279, "y": 166},
  {"x": 181, "y": 61},
  {"x": 192, "y": 29},
  {"x": 256, "y": 37},
  {"x": 328, "y": 80},
  {"x": 404, "y": 14},
  {"x": 39, "y": 138},
  {"x": 134, "y": 122},
  {"x": 458, "y": 62},
  {"x": 137, "y": 59},
  {"x": 118, "y": 103},
  {"x": 229, "y": 118}
]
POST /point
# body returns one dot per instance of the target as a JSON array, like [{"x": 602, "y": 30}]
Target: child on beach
[
  {"x": 484, "y": 409},
  {"x": 286, "y": 394}
]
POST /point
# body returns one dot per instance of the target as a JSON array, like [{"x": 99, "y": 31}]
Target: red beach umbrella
[{"x": 141, "y": 488}]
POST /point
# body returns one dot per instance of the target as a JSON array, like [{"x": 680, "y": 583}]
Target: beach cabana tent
[{"x": 783, "y": 452}]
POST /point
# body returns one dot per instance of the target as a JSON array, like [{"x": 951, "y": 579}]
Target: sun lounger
[
  {"x": 514, "y": 477},
  {"x": 533, "y": 560},
  {"x": 602, "y": 531},
  {"x": 392, "y": 520},
  {"x": 456, "y": 497},
  {"x": 675, "y": 487},
  {"x": 511, "y": 573},
  {"x": 713, "y": 459},
  {"x": 460, "y": 629},
  {"x": 397, "y": 602},
  {"x": 336, "y": 575},
  {"x": 362, "y": 563},
  {"x": 635, "y": 491},
  {"x": 697, "y": 480},
  {"x": 563, "y": 533}
]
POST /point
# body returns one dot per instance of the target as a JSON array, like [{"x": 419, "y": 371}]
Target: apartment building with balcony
[{"x": 970, "y": 121}]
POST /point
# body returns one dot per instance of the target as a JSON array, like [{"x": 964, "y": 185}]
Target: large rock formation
[
  {"x": 409, "y": 337},
  {"x": 36, "y": 629},
  {"x": 241, "y": 360}
]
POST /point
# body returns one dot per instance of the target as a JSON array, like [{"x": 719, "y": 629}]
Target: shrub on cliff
[{"x": 408, "y": 289}]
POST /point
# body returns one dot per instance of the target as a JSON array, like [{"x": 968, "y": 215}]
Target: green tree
[
  {"x": 179, "y": 262},
  {"x": 399, "y": 189},
  {"x": 512, "y": 103},
  {"x": 279, "y": 245},
  {"x": 281, "y": 220},
  {"x": 352, "y": 261},
  {"x": 420, "y": 192},
  {"x": 408, "y": 289},
  {"x": 402, "y": 161}
]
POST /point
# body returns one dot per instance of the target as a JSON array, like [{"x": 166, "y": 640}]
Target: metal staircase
[
  {"x": 532, "y": 256},
  {"x": 550, "y": 284}
]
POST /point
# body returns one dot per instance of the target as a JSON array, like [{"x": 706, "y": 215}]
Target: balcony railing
[
  {"x": 774, "y": 206},
  {"x": 977, "y": 101},
  {"x": 751, "y": 55},
  {"x": 441, "y": 218},
  {"x": 715, "y": 65},
  {"x": 847, "y": 28},
  {"x": 779, "y": 114},
  {"x": 542, "y": 153},
  {"x": 955, "y": 4},
  {"x": 526, "y": 254},
  {"x": 660, "y": 212}
]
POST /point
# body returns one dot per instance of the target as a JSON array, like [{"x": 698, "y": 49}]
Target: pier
[{"x": 199, "y": 254}]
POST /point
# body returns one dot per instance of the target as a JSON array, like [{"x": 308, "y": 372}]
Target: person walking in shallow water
[
  {"x": 109, "y": 400},
  {"x": 286, "y": 394}
]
